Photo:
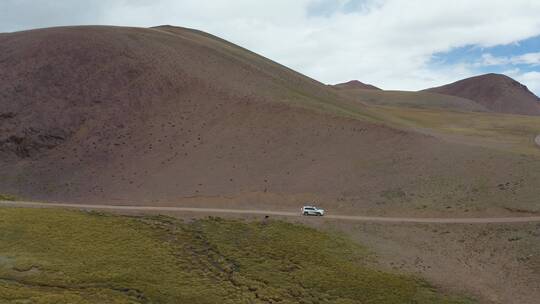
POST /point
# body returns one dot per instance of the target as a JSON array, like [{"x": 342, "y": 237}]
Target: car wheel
[{"x": 305, "y": 213}]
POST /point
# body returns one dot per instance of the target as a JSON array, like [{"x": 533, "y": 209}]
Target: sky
[{"x": 393, "y": 44}]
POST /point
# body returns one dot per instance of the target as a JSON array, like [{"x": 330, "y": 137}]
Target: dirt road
[{"x": 523, "y": 219}]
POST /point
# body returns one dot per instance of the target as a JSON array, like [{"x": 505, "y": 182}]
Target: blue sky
[
  {"x": 520, "y": 57},
  {"x": 473, "y": 53},
  {"x": 394, "y": 44}
]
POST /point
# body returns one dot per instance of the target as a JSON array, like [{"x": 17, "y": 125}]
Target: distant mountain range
[{"x": 492, "y": 92}]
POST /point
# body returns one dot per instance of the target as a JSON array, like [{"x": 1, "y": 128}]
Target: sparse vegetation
[
  {"x": 514, "y": 133},
  {"x": 7, "y": 197},
  {"x": 54, "y": 256},
  {"x": 394, "y": 194},
  {"x": 420, "y": 100}
]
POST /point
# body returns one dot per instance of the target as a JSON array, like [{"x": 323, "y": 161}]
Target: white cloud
[
  {"x": 490, "y": 60},
  {"x": 385, "y": 42},
  {"x": 532, "y": 59},
  {"x": 529, "y": 58}
]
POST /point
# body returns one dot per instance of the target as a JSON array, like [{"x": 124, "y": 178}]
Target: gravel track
[{"x": 523, "y": 219}]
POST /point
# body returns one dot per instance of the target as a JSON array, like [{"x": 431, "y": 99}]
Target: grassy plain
[
  {"x": 514, "y": 133},
  {"x": 55, "y": 256},
  {"x": 420, "y": 100}
]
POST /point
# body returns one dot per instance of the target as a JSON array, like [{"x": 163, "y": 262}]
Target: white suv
[{"x": 311, "y": 210}]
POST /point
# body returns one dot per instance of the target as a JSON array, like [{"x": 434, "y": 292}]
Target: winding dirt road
[{"x": 523, "y": 219}]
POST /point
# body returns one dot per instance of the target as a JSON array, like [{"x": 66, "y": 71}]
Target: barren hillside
[
  {"x": 175, "y": 116},
  {"x": 499, "y": 93}
]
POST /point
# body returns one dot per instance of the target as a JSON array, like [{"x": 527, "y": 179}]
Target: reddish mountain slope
[
  {"x": 132, "y": 115},
  {"x": 498, "y": 93},
  {"x": 355, "y": 84}
]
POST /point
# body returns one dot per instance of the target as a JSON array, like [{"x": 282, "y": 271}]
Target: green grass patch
[
  {"x": 56, "y": 256},
  {"x": 7, "y": 197}
]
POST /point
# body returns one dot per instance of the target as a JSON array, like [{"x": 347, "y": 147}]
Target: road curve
[{"x": 524, "y": 219}]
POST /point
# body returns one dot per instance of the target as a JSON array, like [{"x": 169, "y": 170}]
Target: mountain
[
  {"x": 372, "y": 95},
  {"x": 355, "y": 84},
  {"x": 176, "y": 116},
  {"x": 99, "y": 113},
  {"x": 498, "y": 93}
]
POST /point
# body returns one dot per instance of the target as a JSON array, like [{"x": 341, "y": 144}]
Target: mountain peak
[
  {"x": 355, "y": 84},
  {"x": 497, "y": 92}
]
